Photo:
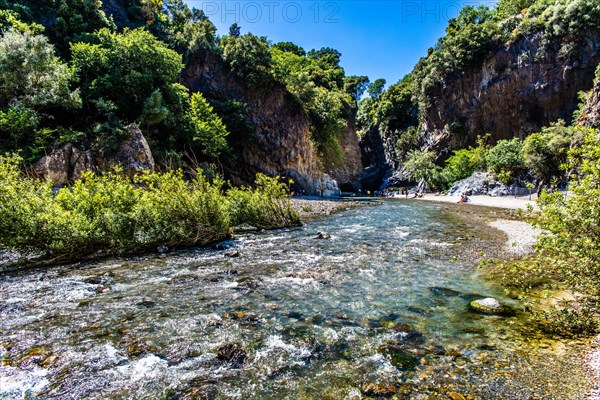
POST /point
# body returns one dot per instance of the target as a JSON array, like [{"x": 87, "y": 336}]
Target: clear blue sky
[{"x": 378, "y": 38}]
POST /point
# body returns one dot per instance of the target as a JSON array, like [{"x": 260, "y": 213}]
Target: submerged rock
[
  {"x": 323, "y": 235},
  {"x": 489, "y": 306},
  {"x": 378, "y": 390},
  {"x": 163, "y": 249},
  {"x": 233, "y": 254},
  {"x": 456, "y": 396},
  {"x": 232, "y": 354},
  {"x": 442, "y": 291},
  {"x": 397, "y": 356}
]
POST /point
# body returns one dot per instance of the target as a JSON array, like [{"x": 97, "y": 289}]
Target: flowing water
[{"x": 377, "y": 309}]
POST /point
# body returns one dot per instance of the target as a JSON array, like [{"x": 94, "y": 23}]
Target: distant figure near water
[{"x": 464, "y": 198}]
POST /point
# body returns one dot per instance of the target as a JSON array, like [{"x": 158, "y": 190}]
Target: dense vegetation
[
  {"x": 71, "y": 74},
  {"x": 113, "y": 214},
  {"x": 539, "y": 157}
]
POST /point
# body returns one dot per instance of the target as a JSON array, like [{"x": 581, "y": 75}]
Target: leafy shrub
[
  {"x": 265, "y": 207},
  {"x": 568, "y": 251},
  {"x": 505, "y": 158},
  {"x": 546, "y": 151},
  {"x": 208, "y": 129},
  {"x": 462, "y": 164},
  {"x": 420, "y": 165},
  {"x": 248, "y": 56}
]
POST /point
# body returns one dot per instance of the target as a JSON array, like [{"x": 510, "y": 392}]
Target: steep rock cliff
[
  {"x": 378, "y": 152},
  {"x": 281, "y": 143},
  {"x": 590, "y": 114},
  {"x": 518, "y": 89},
  {"x": 347, "y": 173}
]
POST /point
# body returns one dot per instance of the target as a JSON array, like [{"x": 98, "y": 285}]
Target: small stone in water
[
  {"x": 233, "y": 254},
  {"x": 488, "y": 306},
  {"x": 378, "y": 390},
  {"x": 456, "y": 396},
  {"x": 94, "y": 280},
  {"x": 163, "y": 249},
  {"x": 323, "y": 235}
]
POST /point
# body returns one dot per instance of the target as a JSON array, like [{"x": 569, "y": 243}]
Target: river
[{"x": 379, "y": 309}]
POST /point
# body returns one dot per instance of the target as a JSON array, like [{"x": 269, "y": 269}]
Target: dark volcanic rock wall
[
  {"x": 517, "y": 90},
  {"x": 282, "y": 143},
  {"x": 348, "y": 174},
  {"x": 590, "y": 115},
  {"x": 378, "y": 151}
]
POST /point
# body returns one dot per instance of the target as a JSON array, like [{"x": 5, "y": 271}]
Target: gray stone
[
  {"x": 63, "y": 165},
  {"x": 133, "y": 154}
]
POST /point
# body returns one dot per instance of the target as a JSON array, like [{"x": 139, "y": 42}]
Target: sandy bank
[
  {"x": 521, "y": 236},
  {"x": 508, "y": 202}
]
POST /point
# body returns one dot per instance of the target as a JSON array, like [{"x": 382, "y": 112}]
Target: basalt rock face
[
  {"x": 517, "y": 90},
  {"x": 68, "y": 163},
  {"x": 374, "y": 159},
  {"x": 381, "y": 166},
  {"x": 347, "y": 174},
  {"x": 63, "y": 165},
  {"x": 590, "y": 115},
  {"x": 281, "y": 145}
]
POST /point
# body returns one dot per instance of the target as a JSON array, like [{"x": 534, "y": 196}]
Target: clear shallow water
[{"x": 382, "y": 303}]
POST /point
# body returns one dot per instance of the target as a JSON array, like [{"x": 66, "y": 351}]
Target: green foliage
[
  {"x": 420, "y": 165},
  {"x": 234, "y": 115},
  {"x": 208, "y": 130},
  {"x": 572, "y": 223},
  {"x": 463, "y": 163},
  {"x": 355, "y": 86},
  {"x": 326, "y": 56},
  {"x": 10, "y": 20},
  {"x": 125, "y": 69},
  {"x": 567, "y": 254},
  {"x": 570, "y": 241},
  {"x": 33, "y": 83},
  {"x": 31, "y": 74},
  {"x": 408, "y": 140},
  {"x": 396, "y": 107},
  {"x": 185, "y": 30},
  {"x": 290, "y": 47},
  {"x": 110, "y": 213},
  {"x": 376, "y": 88},
  {"x": 265, "y": 207},
  {"x": 76, "y": 20},
  {"x": 505, "y": 158},
  {"x": 248, "y": 56},
  {"x": 546, "y": 151},
  {"x": 318, "y": 84}
]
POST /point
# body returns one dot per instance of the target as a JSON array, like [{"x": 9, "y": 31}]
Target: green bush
[
  {"x": 505, "y": 158},
  {"x": 544, "y": 152},
  {"x": 462, "y": 164},
  {"x": 265, "y": 207}
]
